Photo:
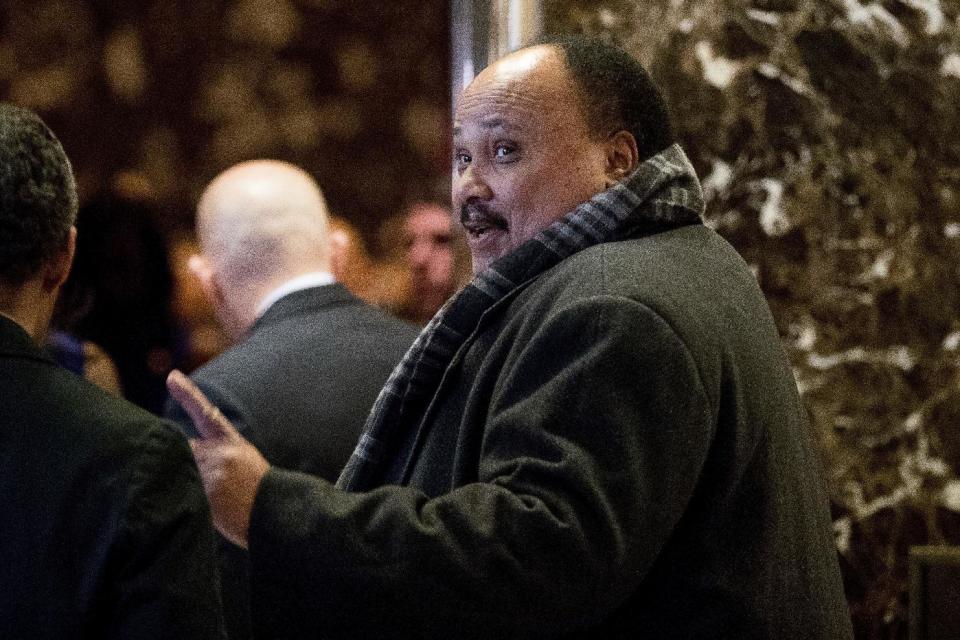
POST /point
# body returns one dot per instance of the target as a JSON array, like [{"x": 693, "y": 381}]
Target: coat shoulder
[{"x": 645, "y": 267}]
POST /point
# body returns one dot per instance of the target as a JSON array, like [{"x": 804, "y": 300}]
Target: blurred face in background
[{"x": 429, "y": 243}]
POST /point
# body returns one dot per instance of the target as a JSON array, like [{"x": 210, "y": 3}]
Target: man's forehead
[
  {"x": 515, "y": 91},
  {"x": 428, "y": 226},
  {"x": 527, "y": 62},
  {"x": 429, "y": 215}
]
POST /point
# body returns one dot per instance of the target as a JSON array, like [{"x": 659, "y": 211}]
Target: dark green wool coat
[
  {"x": 619, "y": 451},
  {"x": 105, "y": 532}
]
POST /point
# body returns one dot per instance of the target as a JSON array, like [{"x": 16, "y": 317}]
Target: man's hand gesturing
[{"x": 231, "y": 468}]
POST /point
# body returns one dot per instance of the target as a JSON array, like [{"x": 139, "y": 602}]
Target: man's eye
[
  {"x": 503, "y": 152},
  {"x": 462, "y": 158}
]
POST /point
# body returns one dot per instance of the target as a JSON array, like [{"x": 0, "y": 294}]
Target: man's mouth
[{"x": 478, "y": 220}]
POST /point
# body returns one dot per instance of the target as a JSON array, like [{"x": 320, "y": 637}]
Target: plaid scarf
[{"x": 663, "y": 193}]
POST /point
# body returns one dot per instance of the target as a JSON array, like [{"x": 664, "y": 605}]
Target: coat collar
[
  {"x": 15, "y": 341},
  {"x": 305, "y": 301}
]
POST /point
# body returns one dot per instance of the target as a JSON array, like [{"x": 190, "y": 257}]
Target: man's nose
[
  {"x": 470, "y": 185},
  {"x": 418, "y": 254}
]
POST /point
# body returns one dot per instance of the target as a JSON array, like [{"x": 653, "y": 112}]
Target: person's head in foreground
[
  {"x": 38, "y": 209},
  {"x": 544, "y": 129}
]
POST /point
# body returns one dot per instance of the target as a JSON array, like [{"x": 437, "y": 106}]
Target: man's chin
[
  {"x": 485, "y": 249},
  {"x": 482, "y": 260}
]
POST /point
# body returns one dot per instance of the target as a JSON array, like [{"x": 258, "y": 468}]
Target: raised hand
[{"x": 231, "y": 468}]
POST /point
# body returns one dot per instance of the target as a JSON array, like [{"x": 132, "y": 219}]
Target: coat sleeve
[
  {"x": 162, "y": 579},
  {"x": 596, "y": 433}
]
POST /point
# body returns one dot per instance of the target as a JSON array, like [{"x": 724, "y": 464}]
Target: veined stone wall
[{"x": 827, "y": 133}]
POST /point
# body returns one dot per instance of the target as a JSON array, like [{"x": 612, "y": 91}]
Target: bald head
[
  {"x": 263, "y": 220},
  {"x": 260, "y": 224}
]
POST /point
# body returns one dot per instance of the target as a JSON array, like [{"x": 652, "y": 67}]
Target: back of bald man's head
[{"x": 263, "y": 221}]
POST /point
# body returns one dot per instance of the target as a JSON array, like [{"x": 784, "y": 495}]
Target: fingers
[
  {"x": 206, "y": 417},
  {"x": 231, "y": 471}
]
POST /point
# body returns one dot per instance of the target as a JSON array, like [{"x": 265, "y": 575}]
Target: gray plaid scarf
[{"x": 663, "y": 193}]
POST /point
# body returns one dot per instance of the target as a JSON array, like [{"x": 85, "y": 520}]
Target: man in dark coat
[
  {"x": 105, "y": 531},
  {"x": 309, "y": 357},
  {"x": 598, "y": 437}
]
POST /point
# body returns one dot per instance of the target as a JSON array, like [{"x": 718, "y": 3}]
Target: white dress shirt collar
[{"x": 304, "y": 281}]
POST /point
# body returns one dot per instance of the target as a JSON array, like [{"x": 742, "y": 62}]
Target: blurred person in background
[
  {"x": 350, "y": 262},
  {"x": 309, "y": 357},
  {"x": 83, "y": 358},
  {"x": 199, "y": 335},
  {"x": 432, "y": 256},
  {"x": 118, "y": 295},
  {"x": 105, "y": 532}
]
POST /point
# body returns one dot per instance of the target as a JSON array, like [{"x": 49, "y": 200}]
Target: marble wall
[{"x": 827, "y": 133}]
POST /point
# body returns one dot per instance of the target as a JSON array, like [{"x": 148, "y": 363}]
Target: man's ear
[
  {"x": 203, "y": 272},
  {"x": 622, "y": 156},
  {"x": 56, "y": 271},
  {"x": 234, "y": 324},
  {"x": 338, "y": 247}
]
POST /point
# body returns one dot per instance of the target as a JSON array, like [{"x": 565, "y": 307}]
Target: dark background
[{"x": 160, "y": 95}]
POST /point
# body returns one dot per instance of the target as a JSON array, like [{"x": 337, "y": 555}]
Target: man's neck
[
  {"x": 29, "y": 307},
  {"x": 27, "y": 323}
]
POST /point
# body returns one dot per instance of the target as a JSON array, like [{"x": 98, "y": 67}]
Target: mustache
[{"x": 480, "y": 214}]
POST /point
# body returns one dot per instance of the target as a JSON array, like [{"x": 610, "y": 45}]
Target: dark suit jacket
[
  {"x": 299, "y": 387},
  {"x": 617, "y": 451},
  {"x": 104, "y": 528}
]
